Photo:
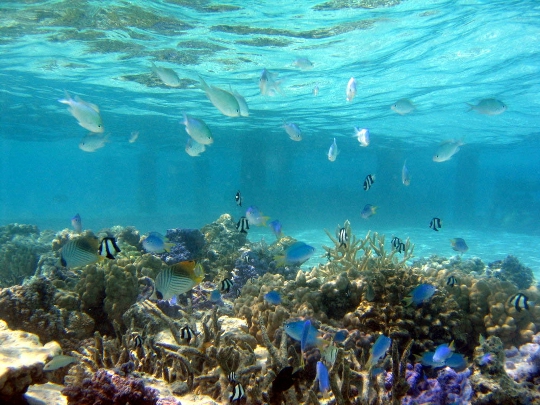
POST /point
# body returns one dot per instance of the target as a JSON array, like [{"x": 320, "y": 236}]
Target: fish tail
[
  {"x": 67, "y": 99},
  {"x": 471, "y": 107},
  {"x": 408, "y": 301},
  {"x": 203, "y": 84},
  {"x": 280, "y": 260}
]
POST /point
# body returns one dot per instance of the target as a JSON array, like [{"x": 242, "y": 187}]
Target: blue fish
[
  {"x": 368, "y": 211},
  {"x": 323, "y": 378},
  {"x": 155, "y": 243},
  {"x": 341, "y": 335},
  {"x": 273, "y": 297},
  {"x": 256, "y": 217},
  {"x": 486, "y": 359},
  {"x": 305, "y": 333},
  {"x": 459, "y": 245},
  {"x": 426, "y": 359},
  {"x": 378, "y": 350},
  {"x": 297, "y": 253},
  {"x": 275, "y": 226},
  {"x": 76, "y": 223},
  {"x": 295, "y": 330},
  {"x": 420, "y": 294},
  {"x": 215, "y": 296},
  {"x": 442, "y": 352},
  {"x": 456, "y": 361}
]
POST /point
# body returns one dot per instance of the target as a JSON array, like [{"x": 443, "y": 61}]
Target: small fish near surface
[
  {"x": 293, "y": 130},
  {"x": 177, "y": 279},
  {"x": 87, "y": 114},
  {"x": 80, "y": 251},
  {"x": 224, "y": 101},
  {"x": 489, "y": 106},
  {"x": 194, "y": 148},
  {"x": 420, "y": 294},
  {"x": 244, "y": 109},
  {"x": 435, "y": 224},
  {"x": 368, "y": 211},
  {"x": 350, "y": 91},
  {"x": 342, "y": 236},
  {"x": 403, "y": 106},
  {"x": 446, "y": 150},
  {"x": 198, "y": 130},
  {"x": 276, "y": 228},
  {"x": 368, "y": 181},
  {"x": 76, "y": 223},
  {"x": 303, "y": 63},
  {"x": 242, "y": 225},
  {"x": 362, "y": 134},
  {"x": 155, "y": 242},
  {"x": 92, "y": 142},
  {"x": 238, "y": 198},
  {"x": 58, "y": 362},
  {"x": 459, "y": 245},
  {"x": 315, "y": 91},
  {"x": 133, "y": 136},
  {"x": 226, "y": 285},
  {"x": 519, "y": 301},
  {"x": 378, "y": 350},
  {"x": 108, "y": 248},
  {"x": 255, "y": 216},
  {"x": 452, "y": 281},
  {"x": 297, "y": 253},
  {"x": 405, "y": 175},
  {"x": 268, "y": 83},
  {"x": 166, "y": 75},
  {"x": 333, "y": 151}
]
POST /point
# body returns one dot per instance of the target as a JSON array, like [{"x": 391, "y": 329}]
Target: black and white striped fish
[
  {"x": 137, "y": 340},
  {"x": 187, "y": 334},
  {"x": 242, "y": 225},
  {"x": 519, "y": 301},
  {"x": 226, "y": 285},
  {"x": 343, "y": 238},
  {"x": 395, "y": 242},
  {"x": 435, "y": 224},
  {"x": 108, "y": 247},
  {"x": 237, "y": 393},
  {"x": 368, "y": 182},
  {"x": 452, "y": 281},
  {"x": 232, "y": 377},
  {"x": 238, "y": 198},
  {"x": 401, "y": 247}
]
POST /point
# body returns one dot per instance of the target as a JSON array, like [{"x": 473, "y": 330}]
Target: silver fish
[
  {"x": 405, "y": 175},
  {"x": 198, "y": 130},
  {"x": 59, "y": 362},
  {"x": 489, "y": 106},
  {"x": 224, "y": 101},
  {"x": 92, "y": 142},
  {"x": 403, "y": 106},
  {"x": 87, "y": 114},
  {"x": 446, "y": 150},
  {"x": 194, "y": 148},
  {"x": 268, "y": 84},
  {"x": 166, "y": 75},
  {"x": 333, "y": 151}
]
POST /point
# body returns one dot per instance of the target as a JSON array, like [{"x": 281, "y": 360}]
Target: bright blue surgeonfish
[
  {"x": 442, "y": 352},
  {"x": 420, "y": 294},
  {"x": 323, "y": 378},
  {"x": 256, "y": 217},
  {"x": 378, "y": 350},
  {"x": 297, "y": 253},
  {"x": 275, "y": 226},
  {"x": 273, "y": 297},
  {"x": 295, "y": 330}
]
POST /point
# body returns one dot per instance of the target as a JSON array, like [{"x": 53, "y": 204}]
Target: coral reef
[
  {"x": 21, "y": 362},
  {"x": 510, "y": 269}
]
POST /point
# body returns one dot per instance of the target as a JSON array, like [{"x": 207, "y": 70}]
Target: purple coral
[
  {"x": 248, "y": 266},
  {"x": 449, "y": 387},
  {"x": 106, "y": 388}
]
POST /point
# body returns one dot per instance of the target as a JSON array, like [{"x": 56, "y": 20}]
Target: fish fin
[
  {"x": 408, "y": 301},
  {"x": 374, "y": 209},
  {"x": 471, "y": 107},
  {"x": 280, "y": 260},
  {"x": 264, "y": 219},
  {"x": 168, "y": 246},
  {"x": 204, "y": 86}
]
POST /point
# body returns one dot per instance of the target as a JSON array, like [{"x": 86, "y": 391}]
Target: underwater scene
[{"x": 251, "y": 202}]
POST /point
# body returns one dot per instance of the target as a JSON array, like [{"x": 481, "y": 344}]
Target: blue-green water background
[{"x": 440, "y": 54}]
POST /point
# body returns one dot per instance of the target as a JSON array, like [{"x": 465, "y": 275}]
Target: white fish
[
  {"x": 224, "y": 101},
  {"x": 315, "y": 91},
  {"x": 194, "y": 148},
  {"x": 446, "y": 150},
  {"x": 133, "y": 136},
  {"x": 268, "y": 84},
  {"x": 166, "y": 75},
  {"x": 293, "y": 131},
  {"x": 362, "y": 135},
  {"x": 303, "y": 63},
  {"x": 403, "y": 106},
  {"x": 93, "y": 142},
  {"x": 351, "y": 89},
  {"x": 405, "y": 175},
  {"x": 87, "y": 114},
  {"x": 333, "y": 151},
  {"x": 489, "y": 106},
  {"x": 244, "y": 110},
  {"x": 198, "y": 130},
  {"x": 59, "y": 362}
]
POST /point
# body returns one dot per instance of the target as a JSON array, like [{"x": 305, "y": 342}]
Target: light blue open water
[{"x": 439, "y": 54}]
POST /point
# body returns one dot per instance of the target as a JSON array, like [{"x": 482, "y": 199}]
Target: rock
[
  {"x": 45, "y": 394},
  {"x": 21, "y": 361}
]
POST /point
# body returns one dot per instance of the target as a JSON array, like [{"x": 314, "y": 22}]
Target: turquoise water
[{"x": 439, "y": 54}]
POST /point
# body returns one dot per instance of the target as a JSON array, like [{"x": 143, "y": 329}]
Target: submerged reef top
[{"x": 230, "y": 335}]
